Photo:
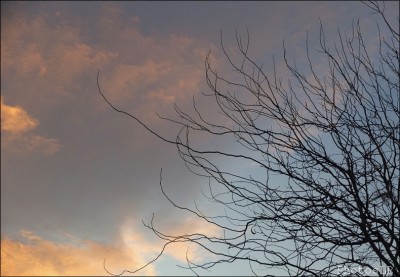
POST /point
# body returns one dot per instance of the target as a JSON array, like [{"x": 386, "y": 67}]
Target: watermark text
[{"x": 363, "y": 270}]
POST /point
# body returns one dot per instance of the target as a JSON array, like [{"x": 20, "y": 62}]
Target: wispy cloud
[
  {"x": 48, "y": 57},
  {"x": 47, "y": 60},
  {"x": 150, "y": 71}
]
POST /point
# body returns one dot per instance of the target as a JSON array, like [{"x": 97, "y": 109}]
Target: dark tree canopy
[{"x": 335, "y": 138}]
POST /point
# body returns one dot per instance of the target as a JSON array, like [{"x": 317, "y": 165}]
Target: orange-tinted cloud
[
  {"x": 17, "y": 129},
  {"x": 36, "y": 256},
  {"x": 16, "y": 120}
]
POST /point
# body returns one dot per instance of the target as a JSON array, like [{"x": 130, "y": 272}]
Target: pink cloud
[
  {"x": 144, "y": 71},
  {"x": 42, "y": 60}
]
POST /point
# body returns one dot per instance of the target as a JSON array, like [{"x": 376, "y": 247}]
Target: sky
[{"x": 77, "y": 178}]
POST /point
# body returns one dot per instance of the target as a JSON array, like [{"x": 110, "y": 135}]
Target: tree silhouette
[{"x": 333, "y": 136}]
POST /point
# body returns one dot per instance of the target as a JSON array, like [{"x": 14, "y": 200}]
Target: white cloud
[{"x": 178, "y": 250}]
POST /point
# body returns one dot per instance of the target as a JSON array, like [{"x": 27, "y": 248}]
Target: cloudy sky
[{"x": 77, "y": 178}]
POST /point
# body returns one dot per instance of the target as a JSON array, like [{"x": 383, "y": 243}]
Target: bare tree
[{"x": 335, "y": 138}]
